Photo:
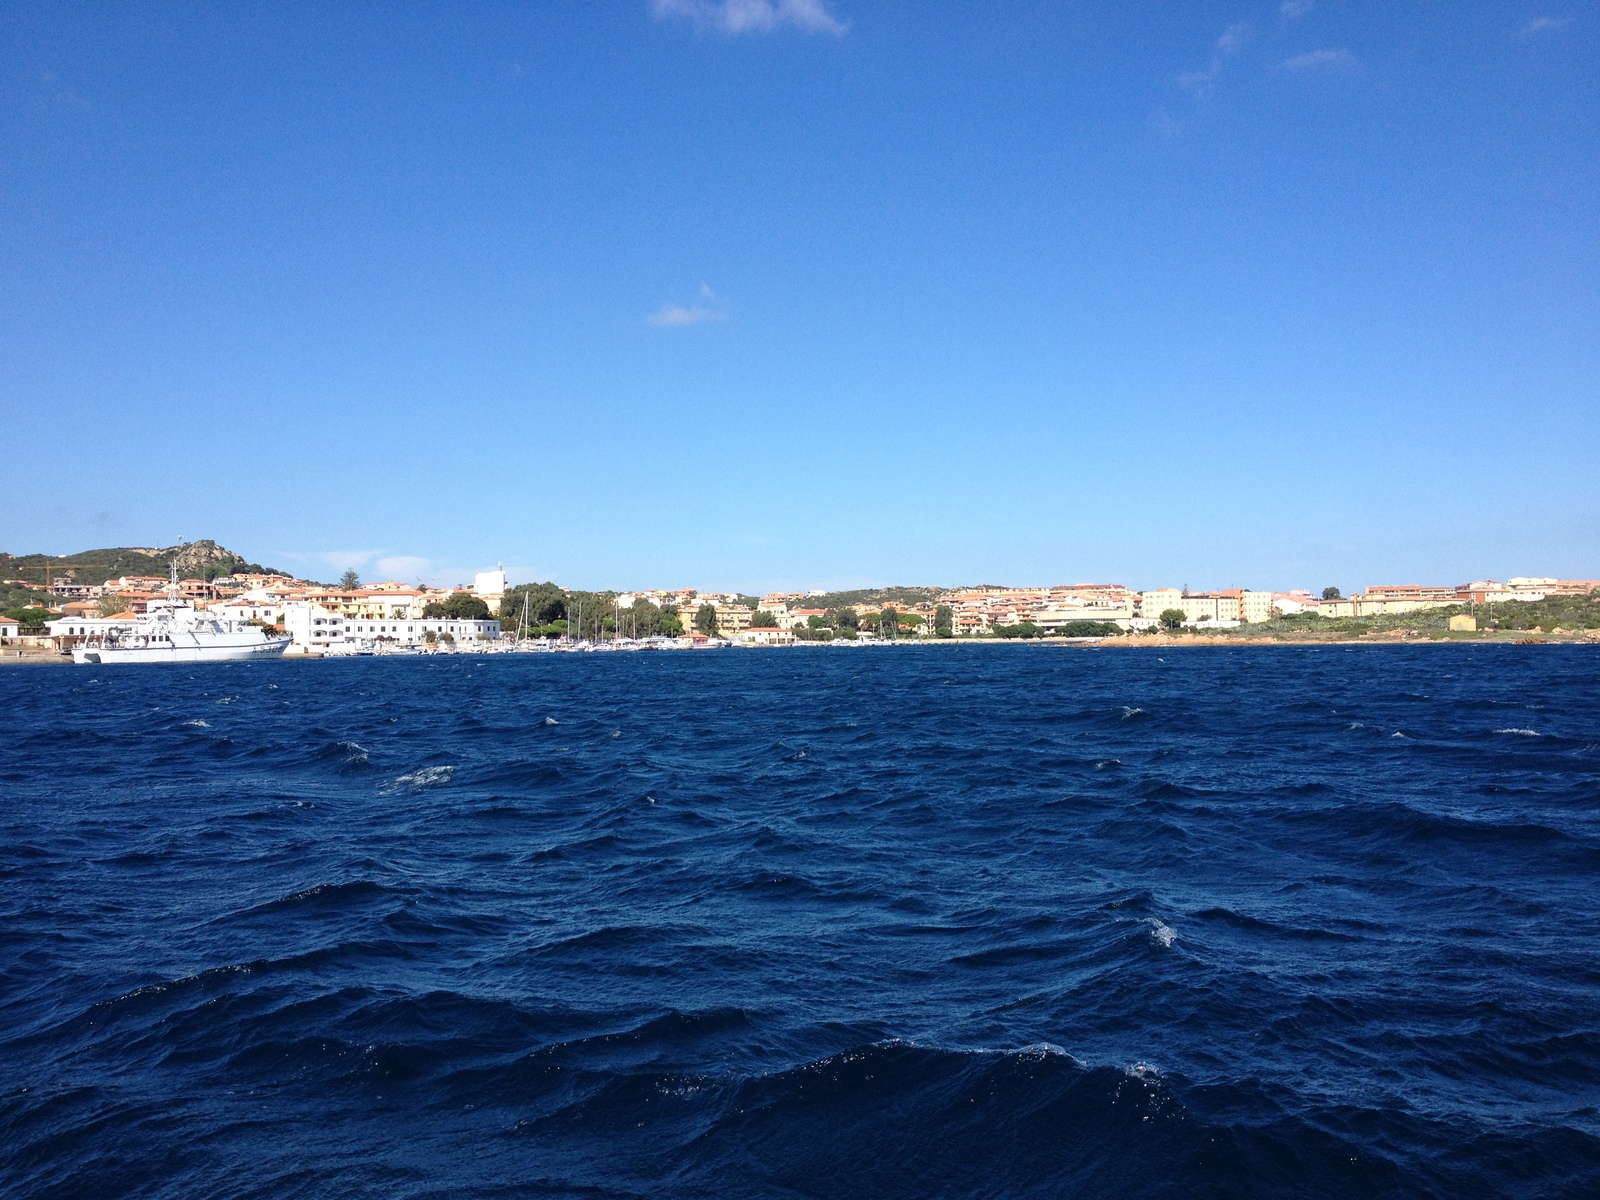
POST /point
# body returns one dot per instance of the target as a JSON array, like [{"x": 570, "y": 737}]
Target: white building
[
  {"x": 369, "y": 633},
  {"x": 1055, "y": 616},
  {"x": 242, "y": 610},
  {"x": 1256, "y": 607},
  {"x": 8, "y": 627},
  {"x": 764, "y": 637},
  {"x": 490, "y": 587},
  {"x": 313, "y": 627},
  {"x": 1156, "y": 601},
  {"x": 78, "y": 628}
]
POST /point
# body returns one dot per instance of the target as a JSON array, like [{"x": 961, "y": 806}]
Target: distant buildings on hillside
[{"x": 392, "y": 613}]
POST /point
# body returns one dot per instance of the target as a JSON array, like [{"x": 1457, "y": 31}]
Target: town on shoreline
[{"x": 51, "y": 604}]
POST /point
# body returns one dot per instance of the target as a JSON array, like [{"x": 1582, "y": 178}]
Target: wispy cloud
[
  {"x": 404, "y": 566},
  {"x": 753, "y": 16},
  {"x": 672, "y": 315},
  {"x": 1319, "y": 60},
  {"x": 1543, "y": 25},
  {"x": 1295, "y": 9},
  {"x": 1199, "y": 82},
  {"x": 347, "y": 560}
]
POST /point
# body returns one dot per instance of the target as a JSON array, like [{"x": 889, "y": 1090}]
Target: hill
[{"x": 203, "y": 559}]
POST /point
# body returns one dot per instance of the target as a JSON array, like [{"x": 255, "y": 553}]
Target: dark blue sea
[{"x": 987, "y": 921}]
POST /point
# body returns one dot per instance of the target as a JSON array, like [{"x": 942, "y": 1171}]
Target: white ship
[{"x": 174, "y": 631}]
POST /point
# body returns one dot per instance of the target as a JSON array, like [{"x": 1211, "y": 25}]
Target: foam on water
[
  {"x": 1160, "y": 932},
  {"x": 423, "y": 777}
]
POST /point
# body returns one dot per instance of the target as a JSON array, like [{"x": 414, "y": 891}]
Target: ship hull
[{"x": 245, "y": 651}]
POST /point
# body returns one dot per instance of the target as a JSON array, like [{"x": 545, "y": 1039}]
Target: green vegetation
[
  {"x": 1566, "y": 613},
  {"x": 943, "y": 621},
  {"x": 203, "y": 559},
  {"x": 28, "y": 619},
  {"x": 762, "y": 619},
  {"x": 458, "y": 607},
  {"x": 874, "y": 597},
  {"x": 1022, "y": 629},
  {"x": 889, "y": 624},
  {"x": 544, "y": 602},
  {"x": 705, "y": 619},
  {"x": 1172, "y": 618},
  {"x": 553, "y": 612},
  {"x": 349, "y": 581},
  {"x": 1079, "y": 629},
  {"x": 1331, "y": 593},
  {"x": 12, "y": 596},
  {"x": 844, "y": 618}
]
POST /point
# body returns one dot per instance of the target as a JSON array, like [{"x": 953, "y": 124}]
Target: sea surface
[{"x": 988, "y": 921}]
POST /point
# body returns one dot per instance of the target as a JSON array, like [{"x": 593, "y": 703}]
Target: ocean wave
[
  {"x": 419, "y": 780},
  {"x": 346, "y": 755}
]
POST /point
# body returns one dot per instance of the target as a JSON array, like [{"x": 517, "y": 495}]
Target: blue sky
[{"x": 784, "y": 293}]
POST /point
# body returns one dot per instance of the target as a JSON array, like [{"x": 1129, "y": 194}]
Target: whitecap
[
  {"x": 1144, "y": 1070},
  {"x": 1521, "y": 732},
  {"x": 1039, "y": 1051},
  {"x": 1107, "y": 762},
  {"x": 1128, "y": 711},
  {"x": 1160, "y": 932},
  {"x": 551, "y": 721},
  {"x": 199, "y": 724},
  {"x": 1396, "y": 734},
  {"x": 421, "y": 778}
]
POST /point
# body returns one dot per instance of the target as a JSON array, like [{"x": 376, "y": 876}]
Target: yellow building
[{"x": 1463, "y": 624}]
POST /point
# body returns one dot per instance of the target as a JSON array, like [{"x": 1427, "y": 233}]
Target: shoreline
[{"x": 1126, "y": 643}]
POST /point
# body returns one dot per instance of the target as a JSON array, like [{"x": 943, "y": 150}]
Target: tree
[
  {"x": 815, "y": 622},
  {"x": 110, "y": 606},
  {"x": 889, "y": 623},
  {"x": 1172, "y": 618},
  {"x": 705, "y": 619},
  {"x": 1331, "y": 593},
  {"x": 846, "y": 618},
  {"x": 458, "y": 606},
  {"x": 762, "y": 619},
  {"x": 28, "y": 618},
  {"x": 349, "y": 581},
  {"x": 1023, "y": 629},
  {"x": 943, "y": 621},
  {"x": 1079, "y": 629}
]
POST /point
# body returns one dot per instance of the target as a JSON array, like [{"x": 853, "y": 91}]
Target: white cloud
[
  {"x": 753, "y": 16},
  {"x": 673, "y": 315},
  {"x": 1319, "y": 60},
  {"x": 1228, "y": 44},
  {"x": 1295, "y": 9},
  {"x": 404, "y": 566},
  {"x": 1543, "y": 25},
  {"x": 347, "y": 560},
  {"x": 1232, "y": 38}
]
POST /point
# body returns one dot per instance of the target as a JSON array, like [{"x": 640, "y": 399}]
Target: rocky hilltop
[{"x": 201, "y": 559}]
